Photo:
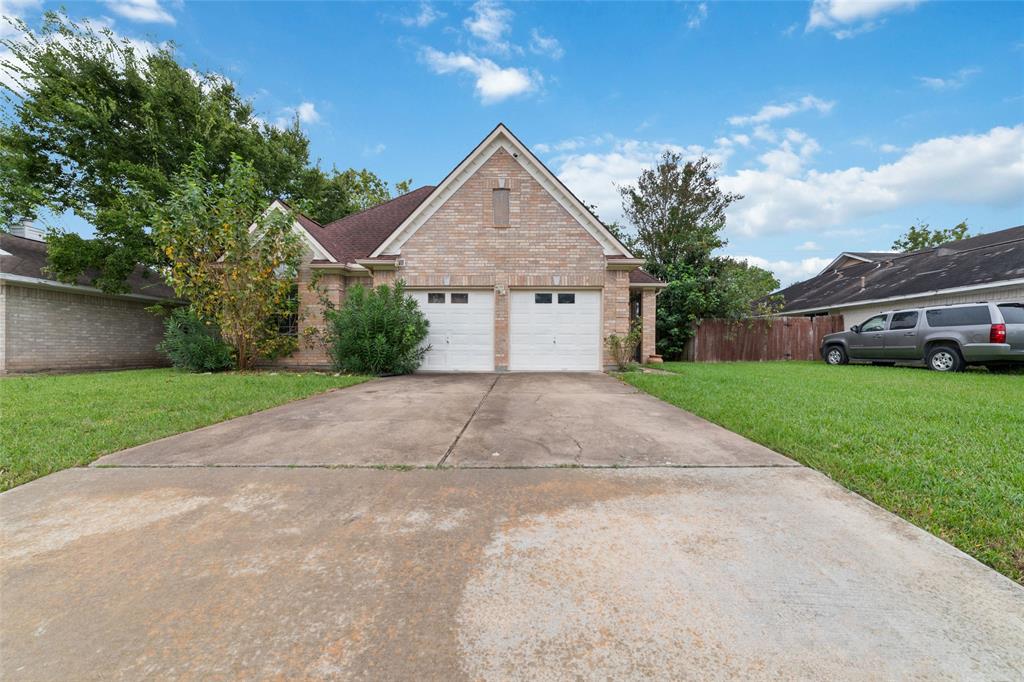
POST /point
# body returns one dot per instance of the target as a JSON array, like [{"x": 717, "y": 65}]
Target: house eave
[
  {"x": 623, "y": 263},
  {"x": 377, "y": 264},
  {"x": 39, "y": 283}
]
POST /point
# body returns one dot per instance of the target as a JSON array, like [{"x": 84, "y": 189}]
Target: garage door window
[
  {"x": 460, "y": 298},
  {"x": 542, "y": 298},
  {"x": 567, "y": 298},
  {"x": 435, "y": 298}
]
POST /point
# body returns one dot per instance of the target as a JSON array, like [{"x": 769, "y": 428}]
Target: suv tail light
[{"x": 997, "y": 334}]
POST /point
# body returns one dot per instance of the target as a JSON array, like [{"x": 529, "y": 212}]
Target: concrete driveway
[
  {"x": 463, "y": 420},
  {"x": 731, "y": 561}
]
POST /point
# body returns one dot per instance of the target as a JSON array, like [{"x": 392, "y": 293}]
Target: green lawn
[
  {"x": 944, "y": 451},
  {"x": 48, "y": 423}
]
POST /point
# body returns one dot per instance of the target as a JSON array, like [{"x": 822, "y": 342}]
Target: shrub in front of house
[
  {"x": 377, "y": 331},
  {"x": 193, "y": 345},
  {"x": 623, "y": 348}
]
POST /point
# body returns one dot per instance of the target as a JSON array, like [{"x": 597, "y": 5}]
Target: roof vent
[
  {"x": 863, "y": 281},
  {"x": 28, "y": 231}
]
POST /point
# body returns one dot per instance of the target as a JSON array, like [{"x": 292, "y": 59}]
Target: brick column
[{"x": 647, "y": 309}]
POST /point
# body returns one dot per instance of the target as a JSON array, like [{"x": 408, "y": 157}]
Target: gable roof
[
  {"x": 355, "y": 236},
  {"x": 992, "y": 258},
  {"x": 847, "y": 258},
  {"x": 501, "y": 137}
]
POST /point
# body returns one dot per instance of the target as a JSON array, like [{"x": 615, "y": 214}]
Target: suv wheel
[
  {"x": 944, "y": 359},
  {"x": 835, "y": 355}
]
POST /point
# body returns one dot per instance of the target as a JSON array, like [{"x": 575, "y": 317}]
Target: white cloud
[
  {"x": 306, "y": 113},
  {"x": 848, "y": 18},
  {"x": 954, "y": 82},
  {"x": 783, "y": 195},
  {"x": 493, "y": 83},
  {"x": 889, "y": 148},
  {"x": 427, "y": 15},
  {"x": 595, "y": 175},
  {"x": 375, "y": 150},
  {"x": 489, "y": 23},
  {"x": 770, "y": 112},
  {"x": 146, "y": 11},
  {"x": 697, "y": 16},
  {"x": 986, "y": 168},
  {"x": 809, "y": 246},
  {"x": 11, "y": 10},
  {"x": 789, "y": 157},
  {"x": 789, "y": 271},
  {"x": 545, "y": 45}
]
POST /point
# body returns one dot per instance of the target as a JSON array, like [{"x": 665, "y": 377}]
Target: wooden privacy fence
[{"x": 779, "y": 338}]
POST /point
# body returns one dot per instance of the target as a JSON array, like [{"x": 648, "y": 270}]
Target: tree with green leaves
[
  {"x": 231, "y": 258},
  {"x": 325, "y": 197},
  {"x": 99, "y": 126},
  {"x": 922, "y": 236},
  {"x": 677, "y": 211}
]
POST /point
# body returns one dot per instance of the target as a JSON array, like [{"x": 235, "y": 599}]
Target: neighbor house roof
[
  {"x": 992, "y": 258},
  {"x": 25, "y": 260}
]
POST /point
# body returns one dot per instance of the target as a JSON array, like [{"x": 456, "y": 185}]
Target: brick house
[
  {"x": 511, "y": 269},
  {"x": 51, "y": 326}
]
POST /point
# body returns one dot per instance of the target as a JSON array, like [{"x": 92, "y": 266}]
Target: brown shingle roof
[
  {"x": 28, "y": 259},
  {"x": 357, "y": 235},
  {"x": 641, "y": 276},
  {"x": 986, "y": 259}
]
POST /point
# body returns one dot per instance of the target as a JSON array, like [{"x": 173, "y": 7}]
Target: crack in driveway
[{"x": 451, "y": 448}]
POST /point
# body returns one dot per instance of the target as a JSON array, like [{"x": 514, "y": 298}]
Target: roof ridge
[
  {"x": 383, "y": 203},
  {"x": 968, "y": 249},
  {"x": 297, "y": 211}
]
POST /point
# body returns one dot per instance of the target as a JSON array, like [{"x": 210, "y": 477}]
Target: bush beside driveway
[
  {"x": 53, "y": 422},
  {"x": 945, "y": 452}
]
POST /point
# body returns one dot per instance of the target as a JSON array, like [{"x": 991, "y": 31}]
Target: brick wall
[
  {"x": 648, "y": 346},
  {"x": 329, "y": 285},
  {"x": 46, "y": 330},
  {"x": 541, "y": 247}
]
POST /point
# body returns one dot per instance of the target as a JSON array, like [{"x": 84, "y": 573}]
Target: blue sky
[{"x": 842, "y": 122}]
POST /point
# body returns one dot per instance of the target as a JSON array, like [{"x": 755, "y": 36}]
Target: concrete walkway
[{"x": 733, "y": 562}]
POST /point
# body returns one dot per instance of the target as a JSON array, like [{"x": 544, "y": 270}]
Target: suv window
[
  {"x": 1012, "y": 313},
  {"x": 958, "y": 317},
  {"x": 904, "y": 320},
  {"x": 874, "y": 324}
]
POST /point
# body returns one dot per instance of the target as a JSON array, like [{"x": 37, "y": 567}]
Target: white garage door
[
  {"x": 555, "y": 330},
  {"x": 461, "y": 330}
]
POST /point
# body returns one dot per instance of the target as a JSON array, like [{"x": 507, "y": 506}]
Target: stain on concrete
[{"x": 490, "y": 574}]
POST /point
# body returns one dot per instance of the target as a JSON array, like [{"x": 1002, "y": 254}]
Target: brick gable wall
[{"x": 542, "y": 246}]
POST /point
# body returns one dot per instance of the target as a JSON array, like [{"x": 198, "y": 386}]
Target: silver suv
[{"x": 946, "y": 338}]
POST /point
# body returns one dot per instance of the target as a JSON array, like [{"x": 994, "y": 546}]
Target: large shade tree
[
  {"x": 230, "y": 257},
  {"x": 678, "y": 214},
  {"x": 99, "y": 125}
]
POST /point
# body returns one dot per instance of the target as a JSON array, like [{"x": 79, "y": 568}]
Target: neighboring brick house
[
  {"x": 512, "y": 270},
  {"x": 46, "y": 325}
]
